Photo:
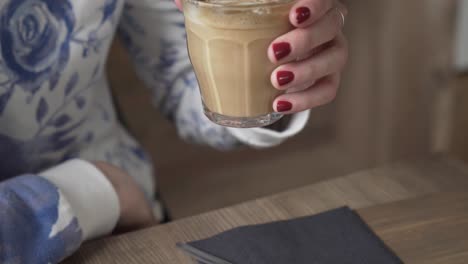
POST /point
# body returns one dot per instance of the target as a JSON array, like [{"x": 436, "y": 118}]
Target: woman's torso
[{"x": 54, "y": 99}]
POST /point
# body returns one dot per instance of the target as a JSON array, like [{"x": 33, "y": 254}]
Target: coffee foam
[
  {"x": 237, "y": 17},
  {"x": 240, "y": 2}
]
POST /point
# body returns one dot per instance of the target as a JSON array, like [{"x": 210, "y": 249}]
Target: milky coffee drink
[{"x": 227, "y": 43}]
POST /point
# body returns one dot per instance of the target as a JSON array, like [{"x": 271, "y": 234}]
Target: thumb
[{"x": 178, "y": 4}]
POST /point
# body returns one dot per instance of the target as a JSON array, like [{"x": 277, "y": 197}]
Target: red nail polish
[
  {"x": 284, "y": 77},
  {"x": 283, "y": 106},
  {"x": 281, "y": 50},
  {"x": 302, "y": 14}
]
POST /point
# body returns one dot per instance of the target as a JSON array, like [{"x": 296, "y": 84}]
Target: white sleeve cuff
[
  {"x": 90, "y": 194},
  {"x": 263, "y": 138}
]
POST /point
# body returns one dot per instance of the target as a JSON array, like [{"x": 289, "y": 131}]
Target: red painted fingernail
[
  {"x": 302, "y": 14},
  {"x": 283, "y": 106},
  {"x": 281, "y": 50},
  {"x": 284, "y": 77}
]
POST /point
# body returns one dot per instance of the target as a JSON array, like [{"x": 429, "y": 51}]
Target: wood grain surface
[
  {"x": 403, "y": 203},
  {"x": 425, "y": 230}
]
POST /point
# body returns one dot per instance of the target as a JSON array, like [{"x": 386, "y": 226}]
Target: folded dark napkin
[{"x": 339, "y": 236}]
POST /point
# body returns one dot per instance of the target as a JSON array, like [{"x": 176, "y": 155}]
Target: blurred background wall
[{"x": 400, "y": 99}]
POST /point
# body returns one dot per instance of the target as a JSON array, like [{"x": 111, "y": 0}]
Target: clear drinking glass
[{"x": 227, "y": 43}]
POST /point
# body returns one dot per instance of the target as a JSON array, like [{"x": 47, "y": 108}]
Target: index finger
[{"x": 305, "y": 12}]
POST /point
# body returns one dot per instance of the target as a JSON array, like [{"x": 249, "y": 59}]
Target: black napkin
[{"x": 339, "y": 236}]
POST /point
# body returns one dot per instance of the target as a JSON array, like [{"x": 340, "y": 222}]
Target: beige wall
[
  {"x": 400, "y": 62},
  {"x": 459, "y": 133}
]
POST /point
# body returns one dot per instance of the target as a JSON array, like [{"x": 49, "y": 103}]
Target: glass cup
[{"x": 227, "y": 44}]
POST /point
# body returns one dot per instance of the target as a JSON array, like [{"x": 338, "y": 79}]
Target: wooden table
[{"x": 425, "y": 227}]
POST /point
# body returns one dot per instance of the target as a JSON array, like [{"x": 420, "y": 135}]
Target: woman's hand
[
  {"x": 311, "y": 56},
  {"x": 135, "y": 210}
]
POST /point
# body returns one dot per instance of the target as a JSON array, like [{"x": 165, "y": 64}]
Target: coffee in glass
[{"x": 227, "y": 43}]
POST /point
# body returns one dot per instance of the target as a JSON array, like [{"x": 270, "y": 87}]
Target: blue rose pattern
[
  {"x": 35, "y": 41},
  {"x": 36, "y": 37},
  {"x": 31, "y": 207}
]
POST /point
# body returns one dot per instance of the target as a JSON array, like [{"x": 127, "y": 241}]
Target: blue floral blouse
[{"x": 55, "y": 105}]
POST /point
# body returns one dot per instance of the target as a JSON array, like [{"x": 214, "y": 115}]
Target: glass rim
[{"x": 238, "y": 4}]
